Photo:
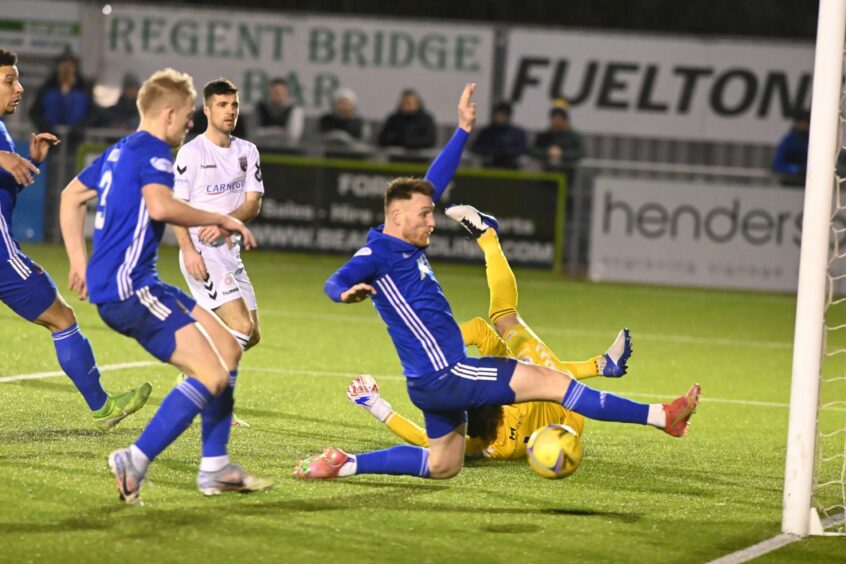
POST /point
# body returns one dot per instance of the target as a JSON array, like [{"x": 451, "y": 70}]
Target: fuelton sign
[
  {"x": 695, "y": 234},
  {"x": 659, "y": 87},
  {"x": 376, "y": 58}
]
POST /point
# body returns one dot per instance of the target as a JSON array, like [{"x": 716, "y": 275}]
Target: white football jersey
[{"x": 216, "y": 178}]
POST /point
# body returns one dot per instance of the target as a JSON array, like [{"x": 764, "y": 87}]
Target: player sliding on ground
[
  {"x": 27, "y": 288},
  {"x": 500, "y": 432},
  {"x": 441, "y": 379},
  {"x": 133, "y": 181}
]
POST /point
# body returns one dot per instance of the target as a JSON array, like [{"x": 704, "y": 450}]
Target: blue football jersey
[
  {"x": 126, "y": 240},
  {"x": 408, "y": 298},
  {"x": 9, "y": 189}
]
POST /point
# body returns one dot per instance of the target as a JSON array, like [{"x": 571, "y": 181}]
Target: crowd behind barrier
[{"x": 63, "y": 104}]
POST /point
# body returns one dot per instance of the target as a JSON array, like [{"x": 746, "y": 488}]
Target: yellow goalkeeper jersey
[{"x": 519, "y": 421}]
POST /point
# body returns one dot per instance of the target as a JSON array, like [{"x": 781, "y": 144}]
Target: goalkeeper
[{"x": 501, "y": 432}]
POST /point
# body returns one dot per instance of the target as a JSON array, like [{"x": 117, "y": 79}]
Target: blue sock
[
  {"x": 217, "y": 420},
  {"x": 77, "y": 360},
  {"x": 176, "y": 412},
  {"x": 404, "y": 460},
  {"x": 603, "y": 406}
]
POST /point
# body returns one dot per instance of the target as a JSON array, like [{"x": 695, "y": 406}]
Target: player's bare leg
[
  {"x": 243, "y": 325},
  {"x": 255, "y": 336},
  {"x": 239, "y": 320},
  {"x": 58, "y": 317},
  {"x": 196, "y": 355},
  {"x": 217, "y": 473},
  {"x": 446, "y": 454}
]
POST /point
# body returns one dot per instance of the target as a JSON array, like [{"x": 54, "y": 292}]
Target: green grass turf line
[{"x": 639, "y": 495}]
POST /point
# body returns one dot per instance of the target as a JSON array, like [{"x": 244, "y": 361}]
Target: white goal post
[{"x": 799, "y": 516}]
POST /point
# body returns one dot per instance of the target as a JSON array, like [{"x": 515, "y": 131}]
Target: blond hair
[{"x": 166, "y": 88}]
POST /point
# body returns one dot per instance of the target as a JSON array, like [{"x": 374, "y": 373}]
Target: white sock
[
  {"x": 241, "y": 338},
  {"x": 213, "y": 463},
  {"x": 139, "y": 459},
  {"x": 349, "y": 468},
  {"x": 656, "y": 417}
]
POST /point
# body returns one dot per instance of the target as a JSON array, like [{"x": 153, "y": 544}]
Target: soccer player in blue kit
[
  {"x": 27, "y": 289},
  {"x": 441, "y": 379},
  {"x": 133, "y": 181}
]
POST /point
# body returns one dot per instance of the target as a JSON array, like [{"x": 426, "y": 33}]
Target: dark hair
[
  {"x": 559, "y": 112},
  {"x": 8, "y": 58},
  {"x": 483, "y": 421},
  {"x": 403, "y": 188},
  {"x": 279, "y": 80},
  {"x": 503, "y": 108},
  {"x": 219, "y": 86},
  {"x": 802, "y": 115}
]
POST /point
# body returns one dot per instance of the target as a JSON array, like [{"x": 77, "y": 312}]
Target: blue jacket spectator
[
  {"x": 501, "y": 144},
  {"x": 791, "y": 158},
  {"x": 65, "y": 99}
]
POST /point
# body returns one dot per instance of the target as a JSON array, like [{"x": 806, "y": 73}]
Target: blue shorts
[
  {"x": 151, "y": 316},
  {"x": 26, "y": 287},
  {"x": 445, "y": 396}
]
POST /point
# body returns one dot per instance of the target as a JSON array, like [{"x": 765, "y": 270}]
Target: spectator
[
  {"x": 560, "y": 147},
  {"x": 65, "y": 99},
  {"x": 342, "y": 124},
  {"x": 501, "y": 144},
  {"x": 791, "y": 158},
  {"x": 124, "y": 114},
  {"x": 278, "y": 118},
  {"x": 410, "y": 126}
]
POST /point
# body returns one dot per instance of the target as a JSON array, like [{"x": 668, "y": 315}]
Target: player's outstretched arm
[
  {"x": 350, "y": 283},
  {"x": 364, "y": 392},
  {"x": 162, "y": 206},
  {"x": 72, "y": 209},
  {"x": 443, "y": 168}
]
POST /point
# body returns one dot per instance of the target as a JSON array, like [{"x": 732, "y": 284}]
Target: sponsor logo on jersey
[
  {"x": 162, "y": 164},
  {"x": 243, "y": 162},
  {"x": 363, "y": 252},
  {"x": 258, "y": 171},
  {"x": 224, "y": 187},
  {"x": 114, "y": 155},
  {"x": 181, "y": 169},
  {"x": 208, "y": 166},
  {"x": 424, "y": 268}
]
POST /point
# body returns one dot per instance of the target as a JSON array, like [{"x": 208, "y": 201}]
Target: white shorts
[{"x": 227, "y": 279}]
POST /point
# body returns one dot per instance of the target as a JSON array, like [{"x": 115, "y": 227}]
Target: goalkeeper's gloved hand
[{"x": 364, "y": 391}]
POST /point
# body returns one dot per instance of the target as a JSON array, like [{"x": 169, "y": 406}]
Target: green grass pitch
[{"x": 639, "y": 495}]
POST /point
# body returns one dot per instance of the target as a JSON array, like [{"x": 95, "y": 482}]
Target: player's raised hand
[
  {"x": 234, "y": 225},
  {"x": 21, "y": 169},
  {"x": 76, "y": 281},
  {"x": 40, "y": 144},
  {"x": 467, "y": 108},
  {"x": 357, "y": 293},
  {"x": 194, "y": 264}
]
